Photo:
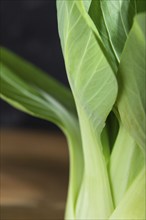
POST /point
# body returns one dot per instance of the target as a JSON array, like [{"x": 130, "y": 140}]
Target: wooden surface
[{"x": 34, "y": 175}]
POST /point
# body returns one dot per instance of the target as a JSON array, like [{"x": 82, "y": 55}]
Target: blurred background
[
  {"x": 34, "y": 153},
  {"x": 29, "y": 28}
]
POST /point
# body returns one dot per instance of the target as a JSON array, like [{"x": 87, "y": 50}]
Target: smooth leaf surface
[
  {"x": 132, "y": 80},
  {"x": 37, "y": 78},
  {"x": 126, "y": 162},
  {"x": 127, "y": 158},
  {"x": 94, "y": 87},
  {"x": 140, "y": 6},
  {"x": 105, "y": 118},
  {"x": 132, "y": 205},
  {"x": 88, "y": 70},
  {"x": 31, "y": 99},
  {"x": 118, "y": 17},
  {"x": 96, "y": 14},
  {"x": 25, "y": 94},
  {"x": 87, "y": 4}
]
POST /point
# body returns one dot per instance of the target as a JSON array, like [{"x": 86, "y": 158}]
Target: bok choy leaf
[
  {"x": 45, "y": 98},
  {"x": 132, "y": 81},
  {"x": 43, "y": 81},
  {"x": 118, "y": 19},
  {"x": 95, "y": 88},
  {"x": 129, "y": 149},
  {"x": 104, "y": 114}
]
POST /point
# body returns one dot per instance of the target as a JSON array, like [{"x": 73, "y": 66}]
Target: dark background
[{"x": 29, "y": 28}]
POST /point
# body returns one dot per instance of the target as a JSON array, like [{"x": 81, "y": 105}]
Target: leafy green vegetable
[
  {"x": 26, "y": 71},
  {"x": 132, "y": 205},
  {"x": 104, "y": 118},
  {"x": 132, "y": 78},
  {"x": 93, "y": 104},
  {"x": 118, "y": 19},
  {"x": 37, "y": 98},
  {"x": 95, "y": 9},
  {"x": 124, "y": 164}
]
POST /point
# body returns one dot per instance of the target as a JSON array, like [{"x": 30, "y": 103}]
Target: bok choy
[{"x": 104, "y": 114}]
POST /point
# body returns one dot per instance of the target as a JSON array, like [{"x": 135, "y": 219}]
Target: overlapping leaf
[
  {"x": 132, "y": 81},
  {"x": 126, "y": 162},
  {"x": 93, "y": 35},
  {"x": 37, "y": 78},
  {"x": 87, "y": 4},
  {"x": 132, "y": 205},
  {"x": 127, "y": 159},
  {"x": 94, "y": 87},
  {"x": 96, "y": 14},
  {"x": 88, "y": 70},
  {"x": 27, "y": 88},
  {"x": 117, "y": 16},
  {"x": 31, "y": 99}
]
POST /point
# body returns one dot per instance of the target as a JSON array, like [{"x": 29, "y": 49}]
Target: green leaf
[
  {"x": 88, "y": 70},
  {"x": 127, "y": 158},
  {"x": 132, "y": 77},
  {"x": 27, "y": 89},
  {"x": 95, "y": 88},
  {"x": 118, "y": 17},
  {"x": 87, "y": 4},
  {"x": 96, "y": 14},
  {"x": 37, "y": 78},
  {"x": 132, "y": 205},
  {"x": 32, "y": 99},
  {"x": 126, "y": 162},
  {"x": 140, "y": 6}
]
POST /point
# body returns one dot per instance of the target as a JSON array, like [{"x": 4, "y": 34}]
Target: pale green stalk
[
  {"x": 95, "y": 189},
  {"x": 126, "y": 162}
]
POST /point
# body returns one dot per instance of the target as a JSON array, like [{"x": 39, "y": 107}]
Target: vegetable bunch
[{"x": 104, "y": 114}]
